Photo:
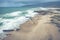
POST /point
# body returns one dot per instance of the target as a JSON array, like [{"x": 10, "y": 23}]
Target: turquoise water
[
  {"x": 4, "y": 10},
  {"x": 12, "y": 17}
]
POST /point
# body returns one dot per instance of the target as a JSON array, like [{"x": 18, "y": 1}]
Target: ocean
[{"x": 12, "y": 17}]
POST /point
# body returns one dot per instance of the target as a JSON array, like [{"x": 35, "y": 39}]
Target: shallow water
[{"x": 11, "y": 18}]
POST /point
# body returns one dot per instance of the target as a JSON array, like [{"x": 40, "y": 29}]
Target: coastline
[
  {"x": 26, "y": 27},
  {"x": 39, "y": 28}
]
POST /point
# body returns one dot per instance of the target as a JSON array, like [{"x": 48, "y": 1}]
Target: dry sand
[{"x": 39, "y": 29}]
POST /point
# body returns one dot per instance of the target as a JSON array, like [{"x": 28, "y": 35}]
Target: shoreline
[
  {"x": 40, "y": 29},
  {"x": 32, "y": 23},
  {"x": 27, "y": 23}
]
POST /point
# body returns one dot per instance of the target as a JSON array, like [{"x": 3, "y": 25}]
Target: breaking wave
[{"x": 13, "y": 20}]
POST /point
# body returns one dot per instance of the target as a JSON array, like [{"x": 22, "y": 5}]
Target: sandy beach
[{"x": 39, "y": 28}]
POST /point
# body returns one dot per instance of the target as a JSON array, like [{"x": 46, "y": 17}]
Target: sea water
[{"x": 12, "y": 17}]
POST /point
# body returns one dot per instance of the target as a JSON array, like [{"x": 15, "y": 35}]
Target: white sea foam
[
  {"x": 17, "y": 13},
  {"x": 31, "y": 13},
  {"x": 9, "y": 24},
  {"x": 14, "y": 23}
]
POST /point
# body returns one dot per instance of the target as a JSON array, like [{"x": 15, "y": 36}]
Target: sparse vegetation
[{"x": 56, "y": 20}]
